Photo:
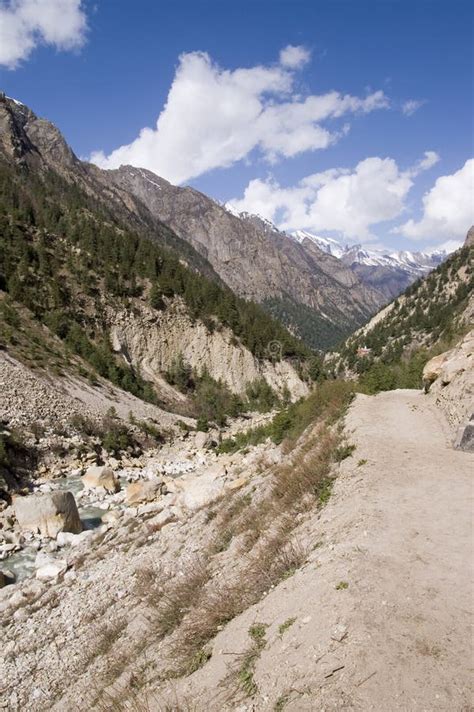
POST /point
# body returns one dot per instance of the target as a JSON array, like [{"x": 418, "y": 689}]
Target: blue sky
[{"x": 351, "y": 164}]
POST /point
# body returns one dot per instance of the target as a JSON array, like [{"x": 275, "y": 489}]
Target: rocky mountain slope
[
  {"x": 310, "y": 293},
  {"x": 390, "y": 273},
  {"x": 432, "y": 314},
  {"x": 316, "y": 296},
  {"x": 82, "y": 266},
  {"x": 34, "y": 145}
]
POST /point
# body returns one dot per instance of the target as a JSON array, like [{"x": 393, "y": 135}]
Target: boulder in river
[
  {"x": 143, "y": 491},
  {"x": 101, "y": 476},
  {"x": 48, "y": 514}
]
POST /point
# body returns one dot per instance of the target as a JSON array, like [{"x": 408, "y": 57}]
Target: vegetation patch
[
  {"x": 329, "y": 400},
  {"x": 247, "y": 667},
  {"x": 287, "y": 624}
]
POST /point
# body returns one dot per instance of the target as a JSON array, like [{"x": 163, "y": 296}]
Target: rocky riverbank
[{"x": 180, "y": 476}]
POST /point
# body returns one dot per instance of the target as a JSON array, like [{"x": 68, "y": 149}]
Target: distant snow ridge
[
  {"x": 417, "y": 263},
  {"x": 327, "y": 244}
]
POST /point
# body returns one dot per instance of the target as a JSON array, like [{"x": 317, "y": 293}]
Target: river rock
[
  {"x": 143, "y": 491},
  {"x": 52, "y": 570},
  {"x": 6, "y": 577},
  {"x": 238, "y": 483},
  {"x": 111, "y": 517},
  {"x": 150, "y": 508},
  {"x": 202, "y": 489},
  {"x": 48, "y": 514},
  {"x": 162, "y": 519},
  {"x": 68, "y": 539},
  {"x": 103, "y": 477},
  {"x": 201, "y": 440}
]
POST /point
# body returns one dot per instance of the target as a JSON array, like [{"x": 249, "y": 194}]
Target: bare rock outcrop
[
  {"x": 469, "y": 241},
  {"x": 452, "y": 381},
  {"x": 143, "y": 491},
  {"x": 48, "y": 514},
  {"x": 151, "y": 342}
]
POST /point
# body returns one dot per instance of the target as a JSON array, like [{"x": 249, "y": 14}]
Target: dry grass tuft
[
  {"x": 144, "y": 701},
  {"x": 171, "y": 595}
]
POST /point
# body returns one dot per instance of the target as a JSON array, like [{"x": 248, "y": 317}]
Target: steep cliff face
[
  {"x": 150, "y": 341},
  {"x": 257, "y": 261}
]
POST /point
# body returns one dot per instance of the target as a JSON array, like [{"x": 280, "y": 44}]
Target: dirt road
[{"x": 390, "y": 575}]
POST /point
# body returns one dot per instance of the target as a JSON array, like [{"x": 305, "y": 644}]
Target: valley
[{"x": 235, "y": 463}]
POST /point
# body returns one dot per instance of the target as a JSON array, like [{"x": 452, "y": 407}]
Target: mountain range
[
  {"x": 320, "y": 290},
  {"x": 389, "y": 272},
  {"x": 311, "y": 292}
]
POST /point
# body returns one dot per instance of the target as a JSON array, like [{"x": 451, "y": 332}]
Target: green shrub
[
  {"x": 260, "y": 396},
  {"x": 379, "y": 377}
]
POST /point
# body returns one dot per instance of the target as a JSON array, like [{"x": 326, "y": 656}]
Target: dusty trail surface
[{"x": 398, "y": 531}]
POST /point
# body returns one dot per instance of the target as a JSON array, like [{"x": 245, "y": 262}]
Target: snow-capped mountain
[{"x": 388, "y": 271}]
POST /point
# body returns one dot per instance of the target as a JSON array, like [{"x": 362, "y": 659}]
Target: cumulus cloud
[
  {"x": 348, "y": 201},
  {"x": 24, "y": 24},
  {"x": 215, "y": 117},
  {"x": 294, "y": 56},
  {"x": 411, "y": 106},
  {"x": 448, "y": 208}
]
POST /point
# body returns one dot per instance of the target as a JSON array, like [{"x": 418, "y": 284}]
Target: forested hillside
[
  {"x": 429, "y": 317},
  {"x": 66, "y": 259}
]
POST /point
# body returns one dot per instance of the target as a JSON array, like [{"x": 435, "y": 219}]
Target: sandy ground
[{"x": 398, "y": 531}]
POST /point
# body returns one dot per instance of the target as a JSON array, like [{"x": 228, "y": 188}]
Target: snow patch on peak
[
  {"x": 147, "y": 178},
  {"x": 15, "y": 101},
  {"x": 326, "y": 244},
  {"x": 416, "y": 263},
  {"x": 230, "y": 209}
]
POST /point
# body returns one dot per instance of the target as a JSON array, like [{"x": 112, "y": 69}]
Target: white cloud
[
  {"x": 411, "y": 106},
  {"x": 429, "y": 160},
  {"x": 447, "y": 246},
  {"x": 448, "y": 208},
  {"x": 215, "y": 117},
  {"x": 349, "y": 201},
  {"x": 24, "y": 24},
  {"x": 294, "y": 56}
]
